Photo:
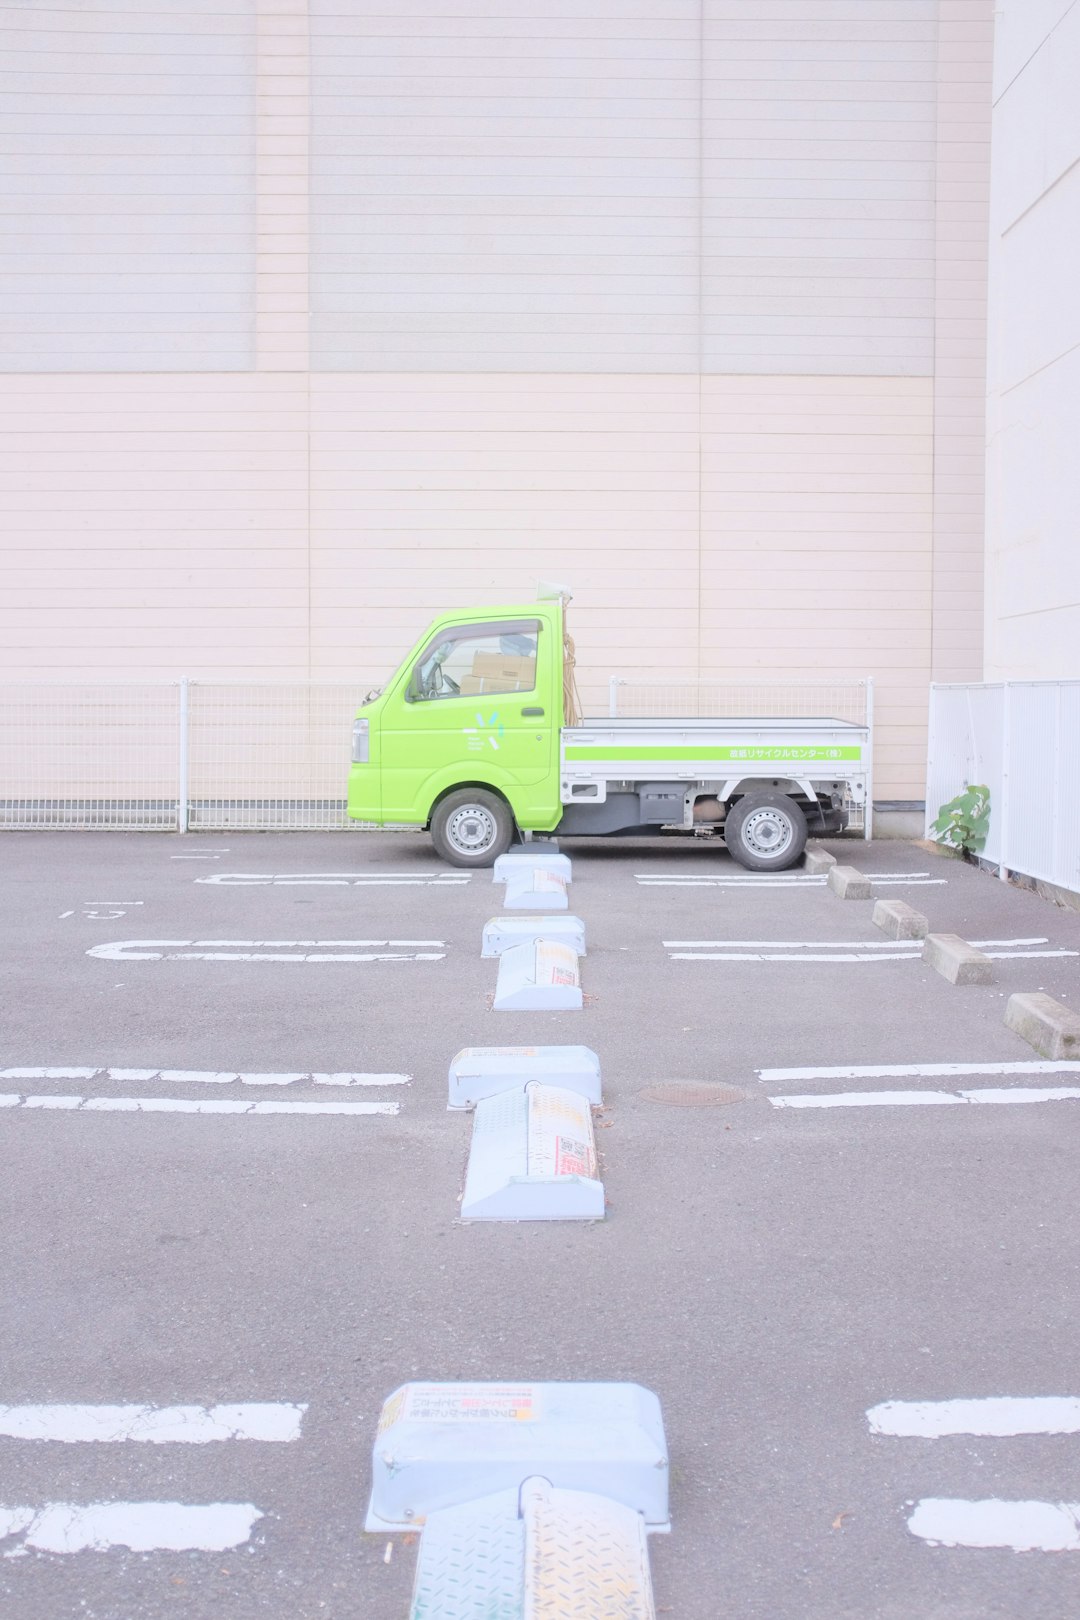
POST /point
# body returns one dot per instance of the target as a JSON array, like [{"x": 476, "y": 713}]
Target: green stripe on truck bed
[{"x": 736, "y": 756}]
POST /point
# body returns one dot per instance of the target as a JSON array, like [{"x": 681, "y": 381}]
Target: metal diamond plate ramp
[
  {"x": 533, "y": 1158},
  {"x": 531, "y": 860},
  {"x": 484, "y": 1071},
  {"x": 471, "y": 1564},
  {"x": 540, "y": 976},
  {"x": 537, "y": 1554},
  {"x": 500, "y": 933},
  {"x": 442, "y": 1445},
  {"x": 586, "y": 1557}
]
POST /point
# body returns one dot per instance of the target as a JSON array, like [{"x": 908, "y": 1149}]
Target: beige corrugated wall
[{"x": 678, "y": 302}]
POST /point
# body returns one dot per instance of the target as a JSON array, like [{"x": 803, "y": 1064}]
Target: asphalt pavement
[{"x": 774, "y": 1266}]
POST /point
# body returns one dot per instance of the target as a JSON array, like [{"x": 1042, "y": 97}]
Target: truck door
[{"x": 476, "y": 707}]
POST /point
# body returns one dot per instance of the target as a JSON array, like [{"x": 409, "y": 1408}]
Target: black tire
[
  {"x": 472, "y": 827},
  {"x": 765, "y": 832}
]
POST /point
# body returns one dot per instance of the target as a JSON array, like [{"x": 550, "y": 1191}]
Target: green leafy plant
[{"x": 964, "y": 822}]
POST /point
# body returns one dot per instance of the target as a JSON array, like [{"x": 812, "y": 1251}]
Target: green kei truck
[{"x": 476, "y": 737}]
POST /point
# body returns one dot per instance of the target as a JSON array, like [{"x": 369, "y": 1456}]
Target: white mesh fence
[
  {"x": 269, "y": 756},
  {"x": 120, "y": 756},
  {"x": 89, "y": 756},
  {"x": 846, "y": 701}
]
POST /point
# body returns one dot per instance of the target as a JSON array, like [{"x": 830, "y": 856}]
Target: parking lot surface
[{"x": 776, "y": 1267}]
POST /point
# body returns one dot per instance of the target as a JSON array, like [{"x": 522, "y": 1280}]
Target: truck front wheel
[
  {"x": 471, "y": 827},
  {"x": 765, "y": 832}
]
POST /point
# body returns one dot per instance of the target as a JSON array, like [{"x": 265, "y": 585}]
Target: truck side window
[{"x": 477, "y": 662}]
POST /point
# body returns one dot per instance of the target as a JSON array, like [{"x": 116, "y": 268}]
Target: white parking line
[
  {"x": 373, "y": 879},
  {"x": 273, "y": 1422},
  {"x": 67, "y": 1527},
  {"x": 1009, "y": 1096},
  {"x": 778, "y": 880},
  {"x": 996, "y": 1415},
  {"x": 186, "y": 1105},
  {"x": 269, "y": 950},
  {"x": 927, "y": 1071},
  {"x": 208, "y": 1077},
  {"x": 1015, "y": 1526},
  {"x": 827, "y": 950}
]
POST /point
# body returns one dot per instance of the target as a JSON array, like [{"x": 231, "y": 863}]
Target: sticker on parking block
[{"x": 470, "y": 1403}]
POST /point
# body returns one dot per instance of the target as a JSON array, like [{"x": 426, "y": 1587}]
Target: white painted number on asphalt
[{"x": 271, "y": 950}]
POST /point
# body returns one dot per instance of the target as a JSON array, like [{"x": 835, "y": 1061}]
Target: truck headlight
[{"x": 360, "y": 742}]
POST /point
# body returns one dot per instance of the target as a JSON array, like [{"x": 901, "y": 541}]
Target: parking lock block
[
  {"x": 533, "y": 1158},
  {"x": 899, "y": 920},
  {"x": 818, "y": 861},
  {"x": 1050, "y": 1027},
  {"x": 485, "y": 1071},
  {"x": 536, "y": 891},
  {"x": 500, "y": 933},
  {"x": 539, "y": 976},
  {"x": 956, "y": 960},
  {"x": 439, "y": 1445},
  {"x": 539, "y": 859},
  {"x": 848, "y": 883}
]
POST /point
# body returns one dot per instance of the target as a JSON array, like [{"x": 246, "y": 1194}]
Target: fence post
[
  {"x": 182, "y": 785},
  {"x": 868, "y": 813},
  {"x": 1006, "y": 740}
]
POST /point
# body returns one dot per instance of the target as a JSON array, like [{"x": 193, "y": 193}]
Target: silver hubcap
[
  {"x": 767, "y": 832},
  {"x": 471, "y": 829}
]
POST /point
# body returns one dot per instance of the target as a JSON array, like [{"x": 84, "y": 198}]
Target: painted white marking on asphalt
[
  {"x": 268, "y": 950},
  {"x": 210, "y": 1077},
  {"x": 1017, "y": 1526},
  {"x": 916, "y": 1099},
  {"x": 786, "y": 956},
  {"x": 826, "y": 950},
  {"x": 372, "y": 879},
  {"x": 927, "y": 1071},
  {"x": 997, "y": 1415},
  {"x": 64, "y": 914},
  {"x": 274, "y": 1422},
  {"x": 187, "y": 1105},
  {"x": 67, "y": 1527},
  {"x": 830, "y": 944},
  {"x": 48, "y": 1074},
  {"x": 779, "y": 880}
]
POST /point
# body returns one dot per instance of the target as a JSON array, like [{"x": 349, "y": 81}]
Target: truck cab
[{"x": 464, "y": 738}]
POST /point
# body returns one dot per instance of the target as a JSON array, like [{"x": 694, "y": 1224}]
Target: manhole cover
[{"x": 692, "y": 1094}]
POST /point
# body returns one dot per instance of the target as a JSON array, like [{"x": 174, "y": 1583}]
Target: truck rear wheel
[
  {"x": 765, "y": 832},
  {"x": 472, "y": 827}
]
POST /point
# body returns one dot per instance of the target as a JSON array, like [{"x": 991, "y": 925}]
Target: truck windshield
[{"x": 477, "y": 660}]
